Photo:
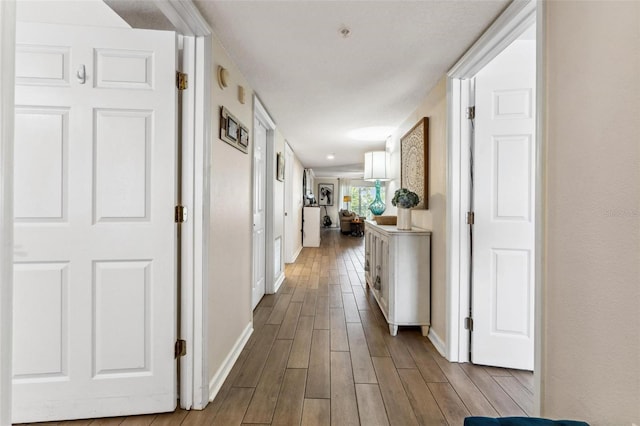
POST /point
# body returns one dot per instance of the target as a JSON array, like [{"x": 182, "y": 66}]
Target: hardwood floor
[{"x": 321, "y": 354}]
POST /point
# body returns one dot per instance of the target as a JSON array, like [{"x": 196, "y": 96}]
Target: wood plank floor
[{"x": 321, "y": 354}]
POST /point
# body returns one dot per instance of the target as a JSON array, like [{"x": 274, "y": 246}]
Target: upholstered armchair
[{"x": 345, "y": 220}]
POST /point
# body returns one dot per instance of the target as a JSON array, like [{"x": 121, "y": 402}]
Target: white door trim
[
  {"x": 289, "y": 207},
  {"x": 540, "y": 208},
  {"x": 187, "y": 277},
  {"x": 185, "y": 17},
  {"x": 261, "y": 114},
  {"x": 201, "y": 207},
  {"x": 507, "y": 28},
  {"x": 7, "y": 89},
  {"x": 196, "y": 174}
]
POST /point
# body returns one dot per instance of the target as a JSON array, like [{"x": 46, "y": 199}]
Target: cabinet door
[
  {"x": 368, "y": 259},
  {"x": 383, "y": 273},
  {"x": 379, "y": 272},
  {"x": 374, "y": 257}
]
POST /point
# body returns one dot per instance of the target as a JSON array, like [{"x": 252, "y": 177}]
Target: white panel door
[
  {"x": 290, "y": 231},
  {"x": 259, "y": 212},
  {"x": 504, "y": 197},
  {"x": 95, "y": 162}
]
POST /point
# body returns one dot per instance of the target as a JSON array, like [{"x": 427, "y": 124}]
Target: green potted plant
[{"x": 404, "y": 200}]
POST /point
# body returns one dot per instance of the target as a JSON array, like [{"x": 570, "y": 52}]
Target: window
[{"x": 362, "y": 197}]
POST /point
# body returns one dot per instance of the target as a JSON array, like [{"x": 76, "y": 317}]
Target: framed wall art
[
  {"x": 233, "y": 132},
  {"x": 414, "y": 161},
  {"x": 280, "y": 167},
  {"x": 243, "y": 137},
  {"x": 325, "y": 194}
]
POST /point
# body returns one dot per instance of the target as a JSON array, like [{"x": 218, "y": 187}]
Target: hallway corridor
[{"x": 322, "y": 354}]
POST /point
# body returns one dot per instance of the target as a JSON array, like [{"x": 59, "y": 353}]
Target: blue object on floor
[{"x": 519, "y": 421}]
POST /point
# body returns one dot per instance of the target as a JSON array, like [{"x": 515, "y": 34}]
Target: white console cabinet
[
  {"x": 311, "y": 227},
  {"x": 398, "y": 273}
]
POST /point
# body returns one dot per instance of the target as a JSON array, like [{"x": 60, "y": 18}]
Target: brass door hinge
[
  {"x": 471, "y": 217},
  {"x": 468, "y": 323},
  {"x": 471, "y": 112},
  {"x": 180, "y": 348},
  {"x": 182, "y": 80},
  {"x": 180, "y": 214}
]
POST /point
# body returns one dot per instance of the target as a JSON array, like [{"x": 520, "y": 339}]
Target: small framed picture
[
  {"x": 232, "y": 128},
  {"x": 244, "y": 137},
  {"x": 326, "y": 194}
]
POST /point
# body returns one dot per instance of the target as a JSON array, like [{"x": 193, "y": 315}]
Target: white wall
[
  {"x": 435, "y": 107},
  {"x": 229, "y": 308},
  {"x": 7, "y": 43},
  {"x": 591, "y": 291},
  {"x": 230, "y": 254}
]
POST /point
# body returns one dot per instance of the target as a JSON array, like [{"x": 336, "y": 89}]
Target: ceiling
[{"x": 319, "y": 85}]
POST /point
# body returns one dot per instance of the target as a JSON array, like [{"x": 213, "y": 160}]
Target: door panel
[
  {"x": 41, "y": 147},
  {"x": 259, "y": 212},
  {"x": 124, "y": 69},
  {"x": 503, "y": 198},
  {"x": 511, "y": 302},
  {"x": 122, "y": 165},
  {"x": 121, "y": 289},
  {"x": 512, "y": 177},
  {"x": 41, "y": 288},
  {"x": 95, "y": 240},
  {"x": 43, "y": 65}
]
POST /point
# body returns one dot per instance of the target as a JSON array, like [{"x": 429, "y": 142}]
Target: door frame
[
  {"x": 7, "y": 108},
  {"x": 516, "y": 18},
  {"x": 261, "y": 114},
  {"x": 289, "y": 229},
  {"x": 197, "y": 62}
]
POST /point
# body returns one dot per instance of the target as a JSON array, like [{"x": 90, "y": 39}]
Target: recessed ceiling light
[
  {"x": 331, "y": 156},
  {"x": 371, "y": 134}
]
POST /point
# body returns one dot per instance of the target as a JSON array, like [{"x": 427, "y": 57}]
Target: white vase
[{"x": 404, "y": 219}]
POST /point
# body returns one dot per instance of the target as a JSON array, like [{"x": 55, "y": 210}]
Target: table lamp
[
  {"x": 347, "y": 199},
  {"x": 376, "y": 166}
]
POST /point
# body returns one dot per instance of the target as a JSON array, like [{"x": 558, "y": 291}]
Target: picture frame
[
  {"x": 233, "y": 132},
  {"x": 325, "y": 194},
  {"x": 280, "y": 167},
  {"x": 243, "y": 140},
  {"x": 414, "y": 161},
  {"x": 232, "y": 128}
]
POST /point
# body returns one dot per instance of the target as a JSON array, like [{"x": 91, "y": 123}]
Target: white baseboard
[
  {"x": 221, "y": 375},
  {"x": 278, "y": 283},
  {"x": 437, "y": 342},
  {"x": 296, "y": 254}
]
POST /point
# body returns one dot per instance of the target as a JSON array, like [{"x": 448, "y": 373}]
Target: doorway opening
[
  {"x": 509, "y": 27},
  {"x": 268, "y": 271},
  {"x": 502, "y": 201}
]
